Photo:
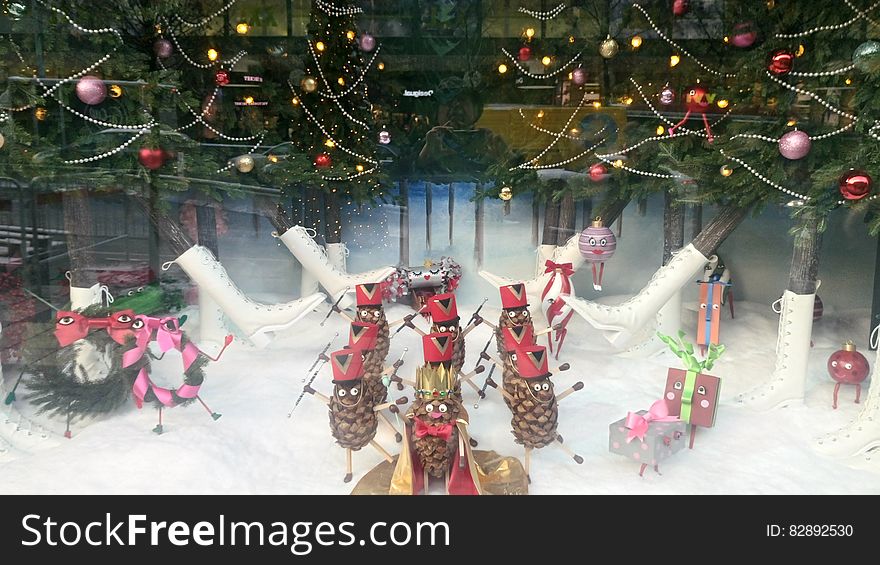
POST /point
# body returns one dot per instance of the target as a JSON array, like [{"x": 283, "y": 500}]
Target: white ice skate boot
[
  {"x": 254, "y": 319},
  {"x": 314, "y": 260},
  {"x": 786, "y": 385}
]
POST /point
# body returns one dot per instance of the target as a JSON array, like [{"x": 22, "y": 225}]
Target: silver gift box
[{"x": 661, "y": 441}]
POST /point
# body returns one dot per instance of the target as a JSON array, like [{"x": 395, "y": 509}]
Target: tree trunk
[
  {"x": 805, "y": 256},
  {"x": 478, "y": 229},
  {"x": 206, "y": 218},
  {"x": 312, "y": 217},
  {"x": 567, "y": 218},
  {"x": 536, "y": 220},
  {"x": 174, "y": 234},
  {"x": 451, "y": 210},
  {"x": 696, "y": 220},
  {"x": 610, "y": 209},
  {"x": 78, "y": 225},
  {"x": 333, "y": 215},
  {"x": 153, "y": 231},
  {"x": 719, "y": 228},
  {"x": 429, "y": 201},
  {"x": 551, "y": 223},
  {"x": 587, "y": 213},
  {"x": 673, "y": 225},
  {"x": 404, "y": 223}
]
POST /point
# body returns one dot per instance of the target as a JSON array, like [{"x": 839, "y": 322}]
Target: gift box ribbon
[
  {"x": 687, "y": 395},
  {"x": 638, "y": 424}
]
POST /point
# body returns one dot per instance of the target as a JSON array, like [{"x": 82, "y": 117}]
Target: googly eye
[
  {"x": 834, "y": 363},
  {"x": 702, "y": 306},
  {"x": 545, "y": 386},
  {"x": 692, "y": 93},
  {"x": 341, "y": 392},
  {"x": 65, "y": 321},
  {"x": 376, "y": 314},
  {"x": 365, "y": 313},
  {"x": 537, "y": 388},
  {"x": 677, "y": 385},
  {"x": 169, "y": 324},
  {"x": 716, "y": 307},
  {"x": 443, "y": 408},
  {"x": 512, "y": 314},
  {"x": 847, "y": 366},
  {"x": 131, "y": 293},
  {"x": 140, "y": 289},
  {"x": 527, "y": 314},
  {"x": 603, "y": 242},
  {"x": 137, "y": 324},
  {"x": 513, "y": 356},
  {"x": 429, "y": 408},
  {"x": 353, "y": 391},
  {"x": 701, "y": 390},
  {"x": 124, "y": 318},
  {"x": 593, "y": 241}
]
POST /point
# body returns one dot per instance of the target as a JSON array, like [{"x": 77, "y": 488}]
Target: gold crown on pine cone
[{"x": 433, "y": 383}]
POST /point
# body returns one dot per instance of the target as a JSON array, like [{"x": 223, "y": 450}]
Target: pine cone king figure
[{"x": 435, "y": 411}]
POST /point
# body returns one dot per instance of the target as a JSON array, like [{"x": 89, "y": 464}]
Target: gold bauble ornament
[
  {"x": 608, "y": 48},
  {"x": 309, "y": 84},
  {"x": 245, "y": 164},
  {"x": 506, "y": 194}
]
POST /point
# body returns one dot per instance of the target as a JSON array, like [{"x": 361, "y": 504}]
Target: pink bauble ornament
[
  {"x": 163, "y": 48},
  {"x": 847, "y": 366},
  {"x": 367, "y": 42},
  {"x": 794, "y": 145},
  {"x": 323, "y": 161},
  {"x": 579, "y": 76},
  {"x": 744, "y": 35},
  {"x": 221, "y": 78},
  {"x": 855, "y": 185},
  {"x": 91, "y": 90},
  {"x": 384, "y": 137},
  {"x": 525, "y": 53},
  {"x": 598, "y": 172},
  {"x": 597, "y": 242},
  {"x": 667, "y": 96}
]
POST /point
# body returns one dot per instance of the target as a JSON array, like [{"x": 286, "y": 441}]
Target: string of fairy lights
[
  {"x": 543, "y": 76},
  {"x": 332, "y": 10},
  {"x": 251, "y": 151},
  {"x": 206, "y": 19},
  {"x": 556, "y": 137}
]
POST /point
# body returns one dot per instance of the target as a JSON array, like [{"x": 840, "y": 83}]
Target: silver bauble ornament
[
  {"x": 865, "y": 57},
  {"x": 608, "y": 48},
  {"x": 244, "y": 164}
]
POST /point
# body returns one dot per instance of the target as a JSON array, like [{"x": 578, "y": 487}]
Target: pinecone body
[
  {"x": 434, "y": 453},
  {"x": 373, "y": 385},
  {"x": 353, "y": 426},
  {"x": 535, "y": 415}
]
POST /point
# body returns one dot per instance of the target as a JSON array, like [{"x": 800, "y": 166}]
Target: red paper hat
[
  {"x": 514, "y": 296},
  {"x": 347, "y": 365},
  {"x": 362, "y": 336},
  {"x": 517, "y": 337},
  {"x": 531, "y": 362},
  {"x": 442, "y": 308},
  {"x": 369, "y": 294},
  {"x": 438, "y": 347}
]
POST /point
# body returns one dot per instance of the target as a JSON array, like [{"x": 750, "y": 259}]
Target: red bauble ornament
[
  {"x": 781, "y": 62},
  {"x": 855, "y": 185},
  {"x": 847, "y": 366},
  {"x": 697, "y": 99},
  {"x": 525, "y": 53},
  {"x": 598, "y": 172},
  {"x": 221, "y": 78},
  {"x": 680, "y": 7},
  {"x": 323, "y": 161},
  {"x": 152, "y": 157}
]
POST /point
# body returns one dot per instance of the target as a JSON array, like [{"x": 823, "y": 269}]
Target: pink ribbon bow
[
  {"x": 638, "y": 424},
  {"x": 566, "y": 268}
]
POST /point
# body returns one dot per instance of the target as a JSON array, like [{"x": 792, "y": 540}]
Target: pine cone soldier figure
[
  {"x": 369, "y": 309},
  {"x": 529, "y": 394},
  {"x": 353, "y": 419},
  {"x": 362, "y": 337},
  {"x": 514, "y": 313},
  {"x": 443, "y": 312},
  {"x": 437, "y": 442}
]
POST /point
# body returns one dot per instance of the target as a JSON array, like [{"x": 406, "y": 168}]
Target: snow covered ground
[{"x": 256, "y": 448}]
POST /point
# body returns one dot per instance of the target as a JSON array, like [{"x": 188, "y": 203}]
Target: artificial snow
[{"x": 256, "y": 448}]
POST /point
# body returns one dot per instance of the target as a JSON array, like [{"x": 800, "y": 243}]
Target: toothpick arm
[
  {"x": 563, "y": 367},
  {"x": 310, "y": 390},
  {"x": 575, "y": 387},
  {"x": 489, "y": 357},
  {"x": 390, "y": 405},
  {"x": 503, "y": 392}
]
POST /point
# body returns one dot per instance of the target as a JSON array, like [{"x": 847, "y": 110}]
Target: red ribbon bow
[
  {"x": 443, "y": 431},
  {"x": 566, "y": 268}
]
